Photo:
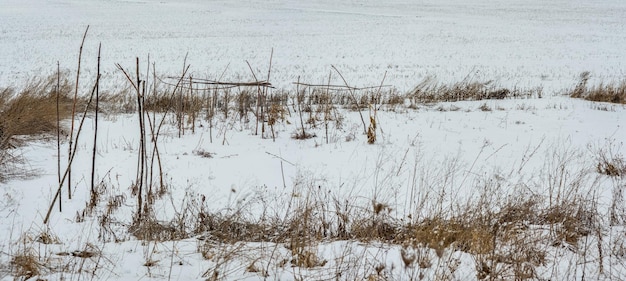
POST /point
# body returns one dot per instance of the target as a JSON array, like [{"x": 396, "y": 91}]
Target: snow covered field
[
  {"x": 517, "y": 43},
  {"x": 429, "y": 161}
]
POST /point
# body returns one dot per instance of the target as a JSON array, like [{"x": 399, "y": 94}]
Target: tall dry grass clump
[
  {"x": 614, "y": 93},
  {"x": 32, "y": 110},
  {"x": 611, "y": 92}
]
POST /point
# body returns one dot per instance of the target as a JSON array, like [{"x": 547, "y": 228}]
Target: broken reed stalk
[
  {"x": 80, "y": 54},
  {"x": 72, "y": 153},
  {"x": 371, "y": 131},
  {"x": 95, "y": 131}
]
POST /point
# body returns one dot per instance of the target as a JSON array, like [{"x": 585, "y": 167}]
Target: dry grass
[
  {"x": 29, "y": 111},
  {"x": 508, "y": 242},
  {"x": 32, "y": 110},
  {"x": 508, "y": 239},
  {"x": 429, "y": 91},
  {"x": 614, "y": 166},
  {"x": 479, "y": 230},
  {"x": 26, "y": 265},
  {"x": 612, "y": 92},
  {"x": 12, "y": 166}
]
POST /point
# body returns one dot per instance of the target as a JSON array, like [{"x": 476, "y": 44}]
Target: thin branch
[
  {"x": 282, "y": 159},
  {"x": 344, "y": 87}
]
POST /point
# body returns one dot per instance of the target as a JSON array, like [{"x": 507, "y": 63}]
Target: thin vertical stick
[
  {"x": 379, "y": 100},
  {"x": 185, "y": 96},
  {"x": 146, "y": 86},
  {"x": 269, "y": 70},
  {"x": 95, "y": 131},
  {"x": 327, "y": 105},
  {"x": 213, "y": 97},
  {"x": 299, "y": 100},
  {"x": 143, "y": 131},
  {"x": 191, "y": 109},
  {"x": 264, "y": 96},
  {"x": 59, "y": 131},
  {"x": 69, "y": 175},
  {"x": 180, "y": 107},
  {"x": 141, "y": 145},
  {"x": 256, "y": 111}
]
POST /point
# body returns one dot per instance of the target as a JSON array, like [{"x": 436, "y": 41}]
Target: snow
[
  {"x": 445, "y": 147},
  {"x": 517, "y": 43}
]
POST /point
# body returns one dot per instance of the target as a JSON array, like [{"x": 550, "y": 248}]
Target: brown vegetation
[
  {"x": 612, "y": 92},
  {"x": 33, "y": 109}
]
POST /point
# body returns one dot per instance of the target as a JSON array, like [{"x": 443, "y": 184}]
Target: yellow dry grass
[{"x": 32, "y": 110}]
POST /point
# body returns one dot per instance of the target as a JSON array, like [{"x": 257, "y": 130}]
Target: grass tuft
[
  {"x": 26, "y": 265},
  {"x": 430, "y": 91},
  {"x": 32, "y": 110},
  {"x": 613, "y": 92}
]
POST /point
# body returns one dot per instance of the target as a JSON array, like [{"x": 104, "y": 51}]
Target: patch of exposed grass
[
  {"x": 29, "y": 111},
  {"x": 429, "y": 91},
  {"x": 614, "y": 93},
  {"x": 33, "y": 109},
  {"x": 611, "y": 92},
  {"x": 26, "y": 265}
]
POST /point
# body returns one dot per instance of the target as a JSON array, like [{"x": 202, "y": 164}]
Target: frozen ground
[{"x": 446, "y": 149}]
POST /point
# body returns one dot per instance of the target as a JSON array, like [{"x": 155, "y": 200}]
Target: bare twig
[
  {"x": 281, "y": 158},
  {"x": 232, "y": 84},
  {"x": 340, "y": 87}
]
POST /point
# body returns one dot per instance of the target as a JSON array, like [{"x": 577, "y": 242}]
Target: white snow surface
[{"x": 518, "y": 43}]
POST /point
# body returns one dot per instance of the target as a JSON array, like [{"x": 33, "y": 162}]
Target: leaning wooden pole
[
  {"x": 72, "y": 154},
  {"x": 71, "y": 143}
]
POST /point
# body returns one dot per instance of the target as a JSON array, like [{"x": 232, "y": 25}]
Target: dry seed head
[
  {"x": 379, "y": 207},
  {"x": 407, "y": 258}
]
